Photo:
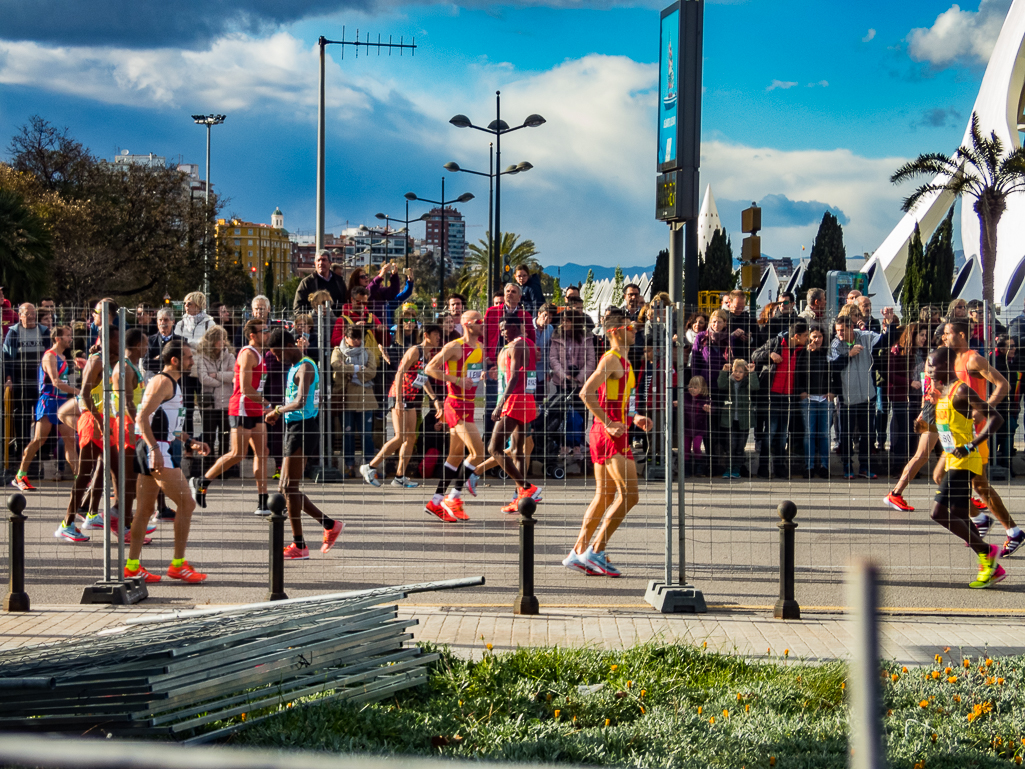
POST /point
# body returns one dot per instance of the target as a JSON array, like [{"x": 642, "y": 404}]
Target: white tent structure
[
  {"x": 708, "y": 220},
  {"x": 602, "y": 297},
  {"x": 968, "y": 283},
  {"x": 768, "y": 287}
]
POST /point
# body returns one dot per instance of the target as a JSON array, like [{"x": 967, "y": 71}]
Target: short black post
[
  {"x": 17, "y": 598},
  {"x": 786, "y": 607},
  {"x": 276, "y": 587},
  {"x": 526, "y": 601}
]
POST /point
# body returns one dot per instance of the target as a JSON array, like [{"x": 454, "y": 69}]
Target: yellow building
[{"x": 258, "y": 246}]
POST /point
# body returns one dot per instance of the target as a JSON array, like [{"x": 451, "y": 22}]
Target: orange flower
[
  {"x": 957, "y": 698},
  {"x": 704, "y": 645},
  {"x": 557, "y": 712},
  {"x": 725, "y": 713},
  {"x": 935, "y": 674},
  {"x": 642, "y": 709},
  {"x": 786, "y": 652},
  {"x": 699, "y": 710},
  {"x": 711, "y": 720},
  {"x": 971, "y": 717},
  {"x": 934, "y": 737},
  {"x": 923, "y": 704},
  {"x": 988, "y": 662},
  {"x": 772, "y": 760},
  {"x": 904, "y": 670},
  {"x": 1000, "y": 682},
  {"x": 843, "y": 685},
  {"x": 613, "y": 668},
  {"x": 938, "y": 659},
  {"x": 947, "y": 670},
  {"x": 967, "y": 664},
  {"x": 952, "y": 680},
  {"x": 643, "y": 692},
  {"x": 489, "y": 647},
  {"x": 895, "y": 678},
  {"x": 747, "y": 708},
  {"x": 607, "y": 722},
  {"x": 629, "y": 684},
  {"x": 1017, "y": 759}
]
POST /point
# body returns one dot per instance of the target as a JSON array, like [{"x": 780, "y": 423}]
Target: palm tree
[
  {"x": 474, "y": 278},
  {"x": 25, "y": 248},
  {"x": 982, "y": 172}
]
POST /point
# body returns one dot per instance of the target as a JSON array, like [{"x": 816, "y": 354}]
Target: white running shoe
[{"x": 369, "y": 475}]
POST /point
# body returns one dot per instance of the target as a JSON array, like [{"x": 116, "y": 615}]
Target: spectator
[
  {"x": 323, "y": 278},
  {"x": 8, "y": 315},
  {"x": 510, "y": 304},
  {"x": 146, "y": 319},
  {"x": 741, "y": 326},
  {"x": 384, "y": 288},
  {"x": 532, "y": 296},
  {"x": 354, "y": 369},
  {"x": 385, "y": 311},
  {"x": 24, "y": 345},
  {"x": 1005, "y": 360},
  {"x": 323, "y": 319},
  {"x": 357, "y": 313},
  {"x": 572, "y": 360},
  {"x": 853, "y": 296},
  {"x": 851, "y": 357},
  {"x": 779, "y": 357},
  {"x": 215, "y": 370},
  {"x": 165, "y": 333},
  {"x": 905, "y": 370},
  {"x": 543, "y": 330},
  {"x": 815, "y": 312},
  {"x": 712, "y": 349},
  {"x": 456, "y": 307},
  {"x": 738, "y": 381},
  {"x": 96, "y": 320},
  {"x": 696, "y": 323},
  {"x": 977, "y": 318},
  {"x": 571, "y": 292},
  {"x": 226, "y": 319},
  {"x": 195, "y": 322},
  {"x": 813, "y": 382},
  {"x": 957, "y": 310},
  {"x": 697, "y": 408}
]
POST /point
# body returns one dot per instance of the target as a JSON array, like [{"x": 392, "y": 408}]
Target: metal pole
[
  {"x": 676, "y": 291},
  {"x": 526, "y": 602},
  {"x": 866, "y": 703},
  {"x": 276, "y": 555},
  {"x": 324, "y": 340},
  {"x": 491, "y": 223},
  {"x": 498, "y": 197},
  {"x": 122, "y": 365},
  {"x": 441, "y": 267},
  {"x": 17, "y": 599},
  {"x": 206, "y": 205},
  {"x": 667, "y": 368},
  {"x": 105, "y": 357},
  {"x": 786, "y": 607},
  {"x": 405, "y": 238},
  {"x": 320, "y": 152}
]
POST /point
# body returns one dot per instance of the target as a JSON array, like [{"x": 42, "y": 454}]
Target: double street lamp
[
  {"x": 464, "y": 198},
  {"x": 497, "y": 128},
  {"x": 407, "y": 221},
  {"x": 209, "y": 121},
  {"x": 516, "y": 169}
]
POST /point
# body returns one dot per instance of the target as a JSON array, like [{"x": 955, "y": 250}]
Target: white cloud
[
  {"x": 783, "y": 84},
  {"x": 870, "y": 35},
  {"x": 820, "y": 84},
  {"x": 959, "y": 36}
]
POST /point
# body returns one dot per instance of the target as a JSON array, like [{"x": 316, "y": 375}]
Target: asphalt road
[{"x": 732, "y": 547}]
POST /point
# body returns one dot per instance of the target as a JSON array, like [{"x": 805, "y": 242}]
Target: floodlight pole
[{"x": 209, "y": 121}]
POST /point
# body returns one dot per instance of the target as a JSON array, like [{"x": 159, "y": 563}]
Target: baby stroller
[{"x": 558, "y": 429}]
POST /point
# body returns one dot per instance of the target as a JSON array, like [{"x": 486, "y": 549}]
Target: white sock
[
  {"x": 436, "y": 499},
  {"x": 980, "y": 518},
  {"x": 454, "y": 494},
  {"x": 1014, "y": 531},
  {"x": 470, "y": 466}
]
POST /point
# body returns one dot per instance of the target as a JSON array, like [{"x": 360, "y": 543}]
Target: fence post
[
  {"x": 866, "y": 703},
  {"x": 786, "y": 607},
  {"x": 276, "y": 586},
  {"x": 526, "y": 601},
  {"x": 17, "y": 598}
]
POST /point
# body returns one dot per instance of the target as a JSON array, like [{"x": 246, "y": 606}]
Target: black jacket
[
  {"x": 152, "y": 360},
  {"x": 814, "y": 374},
  {"x": 312, "y": 283}
]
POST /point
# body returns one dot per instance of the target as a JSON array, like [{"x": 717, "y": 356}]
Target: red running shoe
[
  {"x": 185, "y": 573},
  {"x": 331, "y": 535},
  {"x": 21, "y": 482},
  {"x": 141, "y": 572},
  {"x": 439, "y": 510},
  {"x": 978, "y": 504},
  {"x": 454, "y": 507},
  {"x": 897, "y": 502},
  {"x": 293, "y": 553}
]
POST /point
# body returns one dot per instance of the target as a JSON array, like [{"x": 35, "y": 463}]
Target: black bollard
[
  {"x": 786, "y": 607},
  {"x": 526, "y": 601},
  {"x": 277, "y": 518},
  {"x": 17, "y": 598}
]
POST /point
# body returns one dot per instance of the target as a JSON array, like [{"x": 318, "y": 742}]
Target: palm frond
[{"x": 932, "y": 163}]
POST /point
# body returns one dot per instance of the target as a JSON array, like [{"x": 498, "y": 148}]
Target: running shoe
[
  {"x": 513, "y": 507},
  {"x": 141, "y": 572},
  {"x": 734, "y": 473},
  {"x": 990, "y": 572},
  {"x": 598, "y": 564},
  {"x": 575, "y": 561},
  {"x": 848, "y": 475},
  {"x": 330, "y": 537},
  {"x": 978, "y": 504},
  {"x": 70, "y": 533},
  {"x": 1011, "y": 544},
  {"x": 439, "y": 510},
  {"x": 403, "y": 483},
  {"x": 471, "y": 484},
  {"x": 532, "y": 491},
  {"x": 293, "y": 553},
  {"x": 727, "y": 474},
  {"x": 897, "y": 502},
  {"x": 454, "y": 507},
  {"x": 185, "y": 573},
  {"x": 369, "y": 475},
  {"x": 21, "y": 482},
  {"x": 868, "y": 474},
  {"x": 982, "y": 523},
  {"x": 93, "y": 521},
  {"x": 198, "y": 489}
]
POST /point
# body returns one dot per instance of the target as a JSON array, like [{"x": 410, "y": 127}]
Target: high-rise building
[
  {"x": 369, "y": 246},
  {"x": 258, "y": 246},
  {"x": 454, "y": 245}
]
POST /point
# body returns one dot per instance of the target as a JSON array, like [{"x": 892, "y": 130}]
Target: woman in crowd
[
  {"x": 695, "y": 324},
  {"x": 713, "y": 349},
  {"x": 355, "y": 366},
  {"x": 572, "y": 360},
  {"x": 813, "y": 383},
  {"x": 215, "y": 370},
  {"x": 1005, "y": 360},
  {"x": 906, "y": 366}
]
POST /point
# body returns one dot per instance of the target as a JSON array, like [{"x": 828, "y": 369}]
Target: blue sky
[{"x": 808, "y": 106}]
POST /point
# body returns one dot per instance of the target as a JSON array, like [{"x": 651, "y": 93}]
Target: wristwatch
[{"x": 970, "y": 446}]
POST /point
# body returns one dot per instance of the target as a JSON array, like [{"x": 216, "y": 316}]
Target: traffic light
[{"x": 751, "y": 248}]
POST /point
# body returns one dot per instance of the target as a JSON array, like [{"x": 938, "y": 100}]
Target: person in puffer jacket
[{"x": 355, "y": 366}]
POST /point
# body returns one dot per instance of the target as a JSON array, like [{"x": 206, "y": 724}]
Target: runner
[
  {"x": 302, "y": 440},
  {"x": 54, "y": 389},
  {"x": 460, "y": 365},
  {"x": 246, "y": 411},
  {"x": 406, "y": 396},
  {"x": 159, "y": 426},
  {"x": 926, "y": 425},
  {"x": 516, "y": 409},
  {"x": 959, "y": 413},
  {"x": 609, "y": 395}
]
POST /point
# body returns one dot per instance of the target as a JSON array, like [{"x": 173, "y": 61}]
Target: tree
[
  {"x": 60, "y": 163},
  {"x": 587, "y": 291},
  {"x": 556, "y": 291},
  {"x": 912, "y": 292},
  {"x": 616, "y": 298},
  {"x": 982, "y": 172},
  {"x": 660, "y": 275},
  {"x": 268, "y": 281},
  {"x": 827, "y": 253},
  {"x": 229, "y": 281},
  {"x": 938, "y": 278},
  {"x": 473, "y": 279},
  {"x": 26, "y": 248},
  {"x": 715, "y": 270}
]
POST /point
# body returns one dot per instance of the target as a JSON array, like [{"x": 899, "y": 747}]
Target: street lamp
[
  {"x": 496, "y": 128},
  {"x": 464, "y": 198},
  {"x": 209, "y": 121},
  {"x": 407, "y": 221},
  {"x": 516, "y": 169}
]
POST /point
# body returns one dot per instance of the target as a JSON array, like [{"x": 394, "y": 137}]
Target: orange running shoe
[
  {"x": 331, "y": 535},
  {"x": 21, "y": 482},
  {"x": 293, "y": 553},
  {"x": 439, "y": 510},
  {"x": 978, "y": 504},
  {"x": 454, "y": 507},
  {"x": 185, "y": 573},
  {"x": 513, "y": 507},
  {"x": 141, "y": 572}
]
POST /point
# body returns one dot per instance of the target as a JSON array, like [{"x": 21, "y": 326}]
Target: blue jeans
[
  {"x": 779, "y": 426},
  {"x": 358, "y": 425},
  {"x": 816, "y": 432}
]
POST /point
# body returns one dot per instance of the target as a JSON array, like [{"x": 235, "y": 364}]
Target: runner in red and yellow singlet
[
  {"x": 460, "y": 365},
  {"x": 609, "y": 395}
]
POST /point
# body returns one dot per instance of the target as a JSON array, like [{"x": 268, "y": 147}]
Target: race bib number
[
  {"x": 631, "y": 408},
  {"x": 179, "y": 421},
  {"x": 419, "y": 381},
  {"x": 531, "y": 387},
  {"x": 263, "y": 380},
  {"x": 316, "y": 398},
  {"x": 946, "y": 438},
  {"x": 474, "y": 372}
]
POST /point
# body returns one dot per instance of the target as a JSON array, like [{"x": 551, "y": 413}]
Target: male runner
[
  {"x": 460, "y": 364},
  {"x": 959, "y": 413},
  {"x": 609, "y": 395},
  {"x": 246, "y": 411},
  {"x": 302, "y": 440},
  {"x": 54, "y": 389},
  {"x": 406, "y": 396},
  {"x": 160, "y": 439},
  {"x": 515, "y": 409}
]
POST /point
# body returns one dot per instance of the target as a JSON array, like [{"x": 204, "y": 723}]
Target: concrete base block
[{"x": 674, "y": 599}]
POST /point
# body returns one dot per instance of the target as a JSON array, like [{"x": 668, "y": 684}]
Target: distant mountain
[{"x": 575, "y": 274}]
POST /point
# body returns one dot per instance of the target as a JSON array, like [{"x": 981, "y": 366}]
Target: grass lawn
[{"x": 670, "y": 706}]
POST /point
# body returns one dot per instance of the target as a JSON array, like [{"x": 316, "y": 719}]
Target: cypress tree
[
  {"x": 617, "y": 288},
  {"x": 715, "y": 270},
  {"x": 660, "y": 276},
  {"x": 827, "y": 253},
  {"x": 268, "y": 282},
  {"x": 587, "y": 292},
  {"x": 912, "y": 293},
  {"x": 939, "y": 264}
]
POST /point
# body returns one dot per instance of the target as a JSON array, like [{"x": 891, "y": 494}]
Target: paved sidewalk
[{"x": 910, "y": 640}]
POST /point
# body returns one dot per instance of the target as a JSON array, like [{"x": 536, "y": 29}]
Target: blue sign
[{"x": 668, "y": 96}]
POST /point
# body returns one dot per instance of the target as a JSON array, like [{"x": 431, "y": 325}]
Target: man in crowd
[
  {"x": 780, "y": 355},
  {"x": 741, "y": 326},
  {"x": 815, "y": 312},
  {"x": 165, "y": 333},
  {"x": 322, "y": 278},
  {"x": 532, "y": 296},
  {"x": 850, "y": 354},
  {"x": 510, "y": 305},
  {"x": 456, "y": 307},
  {"x": 24, "y": 345}
]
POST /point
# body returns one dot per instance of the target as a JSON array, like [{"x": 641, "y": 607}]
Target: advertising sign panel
[{"x": 668, "y": 91}]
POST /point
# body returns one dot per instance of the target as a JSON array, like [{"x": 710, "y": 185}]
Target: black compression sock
[
  {"x": 329, "y": 523},
  {"x": 461, "y": 475},
  {"x": 447, "y": 474},
  {"x": 261, "y": 501},
  {"x": 300, "y": 542}
]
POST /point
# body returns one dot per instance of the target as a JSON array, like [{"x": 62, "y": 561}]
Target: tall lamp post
[
  {"x": 516, "y": 169},
  {"x": 497, "y": 128},
  {"x": 209, "y": 121},
  {"x": 464, "y": 198},
  {"x": 407, "y": 221}
]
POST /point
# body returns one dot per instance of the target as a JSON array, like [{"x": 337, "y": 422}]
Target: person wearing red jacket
[
  {"x": 8, "y": 315},
  {"x": 493, "y": 343}
]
